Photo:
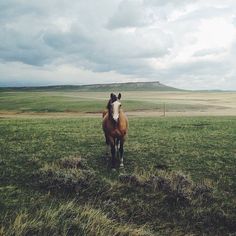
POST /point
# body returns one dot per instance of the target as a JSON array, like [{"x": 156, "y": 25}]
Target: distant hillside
[{"x": 131, "y": 86}]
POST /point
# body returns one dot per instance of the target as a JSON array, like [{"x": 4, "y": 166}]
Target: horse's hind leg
[{"x": 121, "y": 150}]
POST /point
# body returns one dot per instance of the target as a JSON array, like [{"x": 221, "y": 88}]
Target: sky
[{"x": 189, "y": 44}]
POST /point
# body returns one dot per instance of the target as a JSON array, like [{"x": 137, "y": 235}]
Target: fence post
[{"x": 164, "y": 109}]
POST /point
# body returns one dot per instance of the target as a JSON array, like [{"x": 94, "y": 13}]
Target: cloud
[
  {"x": 209, "y": 51},
  {"x": 129, "y": 14},
  {"x": 166, "y": 2},
  {"x": 29, "y": 75},
  {"x": 170, "y": 41}
]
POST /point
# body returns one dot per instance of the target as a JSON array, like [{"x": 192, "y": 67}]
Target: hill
[{"x": 131, "y": 86}]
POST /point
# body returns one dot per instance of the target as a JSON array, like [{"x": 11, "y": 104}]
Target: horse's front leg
[
  {"x": 113, "y": 153},
  {"x": 107, "y": 146},
  {"x": 117, "y": 141},
  {"x": 121, "y": 150}
]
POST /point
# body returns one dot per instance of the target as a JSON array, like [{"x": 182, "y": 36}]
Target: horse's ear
[
  {"x": 119, "y": 96},
  {"x": 112, "y": 95}
]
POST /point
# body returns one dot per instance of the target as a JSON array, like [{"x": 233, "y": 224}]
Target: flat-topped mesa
[{"x": 128, "y": 86}]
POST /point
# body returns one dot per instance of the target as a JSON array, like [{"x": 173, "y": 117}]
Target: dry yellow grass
[{"x": 203, "y": 104}]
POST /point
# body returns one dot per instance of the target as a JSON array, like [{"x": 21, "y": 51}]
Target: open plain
[
  {"x": 179, "y": 175},
  {"x": 136, "y": 103}
]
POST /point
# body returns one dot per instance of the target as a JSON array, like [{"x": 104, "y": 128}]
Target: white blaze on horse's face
[{"x": 116, "y": 110}]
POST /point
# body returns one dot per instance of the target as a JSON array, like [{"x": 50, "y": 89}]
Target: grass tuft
[
  {"x": 73, "y": 162},
  {"x": 69, "y": 219},
  {"x": 68, "y": 176}
]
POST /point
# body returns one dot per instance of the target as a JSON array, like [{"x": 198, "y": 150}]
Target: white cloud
[
  {"x": 190, "y": 44},
  {"x": 31, "y": 75}
]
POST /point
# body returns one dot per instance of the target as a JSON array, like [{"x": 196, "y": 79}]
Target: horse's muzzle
[{"x": 116, "y": 119}]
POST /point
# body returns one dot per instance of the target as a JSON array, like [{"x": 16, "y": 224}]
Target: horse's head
[{"x": 114, "y": 105}]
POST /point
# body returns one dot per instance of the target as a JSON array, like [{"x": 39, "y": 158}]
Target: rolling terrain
[
  {"x": 179, "y": 176},
  {"x": 75, "y": 100}
]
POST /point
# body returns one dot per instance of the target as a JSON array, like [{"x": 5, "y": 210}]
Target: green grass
[
  {"x": 69, "y": 219},
  {"x": 34, "y": 187},
  {"x": 85, "y": 102},
  {"x": 57, "y": 102}
]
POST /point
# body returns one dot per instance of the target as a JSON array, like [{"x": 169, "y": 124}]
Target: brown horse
[{"x": 115, "y": 127}]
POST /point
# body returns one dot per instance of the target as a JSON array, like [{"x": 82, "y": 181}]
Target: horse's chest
[{"x": 117, "y": 133}]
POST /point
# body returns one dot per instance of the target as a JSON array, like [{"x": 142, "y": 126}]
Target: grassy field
[
  {"x": 185, "y": 103},
  {"x": 179, "y": 177}
]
